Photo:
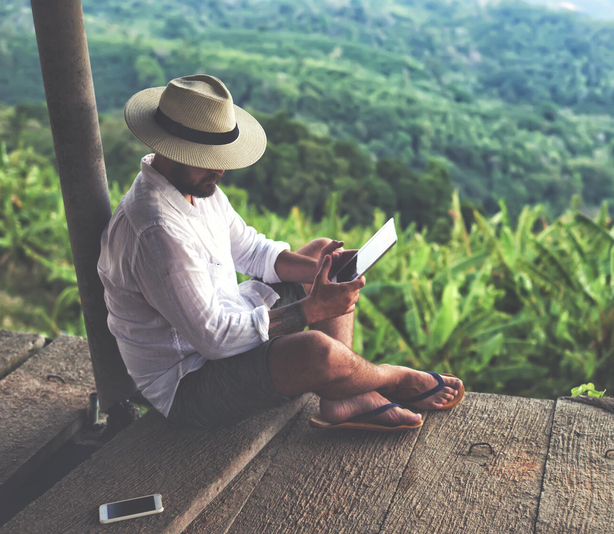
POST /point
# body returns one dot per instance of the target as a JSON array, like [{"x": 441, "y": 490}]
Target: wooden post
[{"x": 69, "y": 89}]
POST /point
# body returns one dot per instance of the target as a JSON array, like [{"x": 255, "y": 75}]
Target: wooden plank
[
  {"x": 39, "y": 414},
  {"x": 189, "y": 467},
  {"x": 578, "y": 488},
  {"x": 16, "y": 348},
  {"x": 218, "y": 516},
  {"x": 605, "y": 403},
  {"x": 327, "y": 481},
  {"x": 445, "y": 489}
]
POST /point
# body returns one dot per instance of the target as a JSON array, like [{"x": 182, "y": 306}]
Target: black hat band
[{"x": 195, "y": 136}]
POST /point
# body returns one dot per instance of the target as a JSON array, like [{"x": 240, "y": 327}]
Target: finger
[
  {"x": 332, "y": 246},
  {"x": 324, "y": 269},
  {"x": 356, "y": 284}
]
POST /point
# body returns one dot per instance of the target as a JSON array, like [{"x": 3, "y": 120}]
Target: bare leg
[{"x": 346, "y": 382}]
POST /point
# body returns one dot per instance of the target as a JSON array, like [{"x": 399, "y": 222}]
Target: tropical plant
[
  {"x": 524, "y": 309},
  {"x": 38, "y": 285},
  {"x": 588, "y": 390}
]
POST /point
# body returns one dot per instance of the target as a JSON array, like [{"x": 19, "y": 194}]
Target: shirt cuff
[
  {"x": 270, "y": 274},
  {"x": 261, "y": 322}
]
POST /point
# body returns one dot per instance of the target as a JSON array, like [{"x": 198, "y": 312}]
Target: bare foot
[
  {"x": 337, "y": 411},
  {"x": 417, "y": 382}
]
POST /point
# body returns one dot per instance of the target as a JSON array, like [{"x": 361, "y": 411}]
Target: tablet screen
[{"x": 368, "y": 255}]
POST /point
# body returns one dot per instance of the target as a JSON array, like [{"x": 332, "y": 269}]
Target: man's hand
[
  {"x": 328, "y": 300},
  {"x": 339, "y": 257}
]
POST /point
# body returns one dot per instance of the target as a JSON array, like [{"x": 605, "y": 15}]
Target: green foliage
[
  {"x": 518, "y": 310},
  {"x": 386, "y": 107},
  {"x": 515, "y": 99},
  {"x": 304, "y": 170},
  {"x": 38, "y": 285},
  {"x": 149, "y": 72},
  {"x": 523, "y": 309},
  {"x": 588, "y": 390}
]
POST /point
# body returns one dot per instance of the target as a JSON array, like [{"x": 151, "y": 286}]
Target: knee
[{"x": 326, "y": 354}]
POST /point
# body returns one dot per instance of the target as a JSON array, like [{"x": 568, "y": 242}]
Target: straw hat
[{"x": 194, "y": 121}]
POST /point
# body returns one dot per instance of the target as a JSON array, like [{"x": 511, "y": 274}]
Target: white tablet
[{"x": 369, "y": 254}]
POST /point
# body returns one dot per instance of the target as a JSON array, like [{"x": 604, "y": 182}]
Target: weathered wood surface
[
  {"x": 327, "y": 481},
  {"x": 578, "y": 486},
  {"x": 16, "y": 348},
  {"x": 605, "y": 403},
  {"x": 188, "y": 467},
  {"x": 444, "y": 489},
  {"x": 218, "y": 516},
  {"x": 421, "y": 481},
  {"x": 38, "y": 415}
]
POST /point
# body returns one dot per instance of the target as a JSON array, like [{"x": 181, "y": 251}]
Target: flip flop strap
[
  {"x": 427, "y": 394},
  {"x": 373, "y": 413}
]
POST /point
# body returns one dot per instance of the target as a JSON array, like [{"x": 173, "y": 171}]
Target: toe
[
  {"x": 397, "y": 417},
  {"x": 403, "y": 416},
  {"x": 452, "y": 382}
]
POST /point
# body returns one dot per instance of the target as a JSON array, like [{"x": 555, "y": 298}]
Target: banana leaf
[
  {"x": 462, "y": 265},
  {"x": 597, "y": 235},
  {"x": 446, "y": 318},
  {"x": 551, "y": 260}
]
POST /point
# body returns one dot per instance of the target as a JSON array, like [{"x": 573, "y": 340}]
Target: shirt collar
[{"x": 168, "y": 190}]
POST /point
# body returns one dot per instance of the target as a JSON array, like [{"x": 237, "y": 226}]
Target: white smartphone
[
  {"x": 130, "y": 508},
  {"x": 369, "y": 254}
]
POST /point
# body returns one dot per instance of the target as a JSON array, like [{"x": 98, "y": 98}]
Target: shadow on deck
[{"x": 493, "y": 464}]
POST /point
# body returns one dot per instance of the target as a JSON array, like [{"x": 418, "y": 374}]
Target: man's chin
[{"x": 205, "y": 191}]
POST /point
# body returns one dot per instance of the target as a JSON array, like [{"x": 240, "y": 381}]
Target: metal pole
[{"x": 69, "y": 89}]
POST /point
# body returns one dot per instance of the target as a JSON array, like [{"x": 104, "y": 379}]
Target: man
[{"x": 204, "y": 350}]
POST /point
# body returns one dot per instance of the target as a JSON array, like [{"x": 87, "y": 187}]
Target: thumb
[{"x": 332, "y": 246}]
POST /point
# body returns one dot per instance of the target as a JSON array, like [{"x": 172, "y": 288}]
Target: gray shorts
[{"x": 224, "y": 392}]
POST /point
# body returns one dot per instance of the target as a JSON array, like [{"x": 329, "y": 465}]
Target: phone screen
[
  {"x": 368, "y": 255},
  {"x": 130, "y": 507}
]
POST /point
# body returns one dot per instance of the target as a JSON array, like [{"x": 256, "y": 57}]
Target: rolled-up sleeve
[
  {"x": 178, "y": 284},
  {"x": 252, "y": 253}
]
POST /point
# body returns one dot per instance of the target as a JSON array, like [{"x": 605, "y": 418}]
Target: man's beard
[{"x": 202, "y": 189}]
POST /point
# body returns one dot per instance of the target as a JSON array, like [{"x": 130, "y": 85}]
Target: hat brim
[{"x": 246, "y": 150}]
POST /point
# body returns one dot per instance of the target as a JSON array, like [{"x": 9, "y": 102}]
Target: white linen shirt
[{"x": 169, "y": 274}]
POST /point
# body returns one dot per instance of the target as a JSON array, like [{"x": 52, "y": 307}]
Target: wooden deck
[{"x": 493, "y": 464}]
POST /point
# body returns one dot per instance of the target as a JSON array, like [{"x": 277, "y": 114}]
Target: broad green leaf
[
  {"x": 489, "y": 348},
  {"x": 553, "y": 263},
  {"x": 508, "y": 247},
  {"x": 413, "y": 320},
  {"x": 513, "y": 323},
  {"x": 419, "y": 259},
  {"x": 597, "y": 235},
  {"x": 446, "y": 318},
  {"x": 462, "y": 265}
]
